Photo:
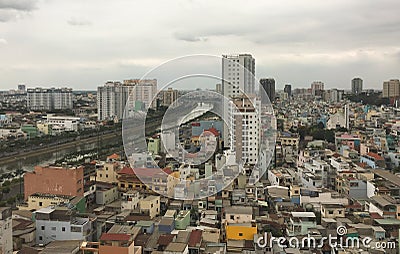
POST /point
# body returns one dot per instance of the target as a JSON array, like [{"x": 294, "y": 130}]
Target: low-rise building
[
  {"x": 150, "y": 205},
  {"x": 61, "y": 224}
]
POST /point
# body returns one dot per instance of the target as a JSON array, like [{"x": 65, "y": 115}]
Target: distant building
[
  {"x": 238, "y": 75},
  {"x": 6, "y": 236},
  {"x": 288, "y": 90},
  {"x": 21, "y": 88},
  {"x": 391, "y": 89},
  {"x": 114, "y": 95},
  {"x": 317, "y": 88},
  {"x": 218, "y": 88},
  {"x": 48, "y": 99},
  {"x": 335, "y": 95},
  {"x": 169, "y": 96},
  {"x": 268, "y": 84},
  {"x": 356, "y": 85},
  {"x": 54, "y": 180}
]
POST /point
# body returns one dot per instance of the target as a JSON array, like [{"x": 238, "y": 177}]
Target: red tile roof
[
  {"x": 126, "y": 171},
  {"x": 113, "y": 156},
  {"x": 166, "y": 239},
  {"x": 213, "y": 131},
  {"x": 115, "y": 237},
  {"x": 375, "y": 156},
  {"x": 195, "y": 238}
]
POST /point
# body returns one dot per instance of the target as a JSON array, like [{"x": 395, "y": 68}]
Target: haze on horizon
[{"x": 83, "y": 43}]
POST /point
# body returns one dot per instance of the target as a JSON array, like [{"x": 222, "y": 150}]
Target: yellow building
[
  {"x": 150, "y": 205},
  {"x": 241, "y": 231},
  {"x": 108, "y": 172},
  {"x": 39, "y": 200}
]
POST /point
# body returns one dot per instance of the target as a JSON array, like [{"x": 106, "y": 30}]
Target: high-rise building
[
  {"x": 391, "y": 89},
  {"x": 218, "y": 88},
  {"x": 335, "y": 95},
  {"x": 244, "y": 135},
  {"x": 356, "y": 85},
  {"x": 21, "y": 88},
  {"x": 114, "y": 96},
  {"x": 169, "y": 96},
  {"x": 317, "y": 88},
  {"x": 49, "y": 99},
  {"x": 288, "y": 90},
  {"x": 238, "y": 75},
  {"x": 6, "y": 240},
  {"x": 268, "y": 84}
]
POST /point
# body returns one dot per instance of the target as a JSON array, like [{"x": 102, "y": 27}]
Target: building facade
[
  {"x": 268, "y": 84},
  {"x": 391, "y": 89},
  {"x": 54, "y": 180},
  {"x": 6, "y": 240},
  {"x": 48, "y": 99},
  {"x": 114, "y": 96},
  {"x": 356, "y": 85}
]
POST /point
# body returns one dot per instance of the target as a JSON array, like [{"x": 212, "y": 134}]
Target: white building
[
  {"x": 237, "y": 75},
  {"x": 244, "y": 134},
  {"x": 6, "y": 242},
  {"x": 49, "y": 98},
  {"x": 113, "y": 97},
  {"x": 67, "y": 123}
]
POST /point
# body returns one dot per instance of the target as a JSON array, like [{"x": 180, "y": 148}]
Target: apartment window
[
  {"x": 63, "y": 229},
  {"x": 42, "y": 227},
  {"x": 40, "y": 238},
  {"x": 240, "y": 234},
  {"x": 40, "y": 203},
  {"x": 106, "y": 175},
  {"x": 330, "y": 212}
]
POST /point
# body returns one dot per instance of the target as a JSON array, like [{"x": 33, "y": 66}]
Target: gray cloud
[
  {"x": 78, "y": 22},
  {"x": 20, "y": 5},
  {"x": 293, "y": 41},
  {"x": 189, "y": 37},
  {"x": 14, "y": 9}
]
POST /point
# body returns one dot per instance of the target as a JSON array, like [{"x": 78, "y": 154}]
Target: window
[
  {"x": 53, "y": 228},
  {"x": 340, "y": 212},
  {"x": 40, "y": 203},
  {"x": 232, "y": 217},
  {"x": 42, "y": 227},
  {"x": 63, "y": 229},
  {"x": 330, "y": 212},
  {"x": 240, "y": 234},
  {"x": 40, "y": 238}
]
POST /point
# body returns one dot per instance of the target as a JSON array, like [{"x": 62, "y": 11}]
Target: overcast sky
[{"x": 83, "y": 43}]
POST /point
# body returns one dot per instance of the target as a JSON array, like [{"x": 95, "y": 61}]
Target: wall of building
[{"x": 54, "y": 180}]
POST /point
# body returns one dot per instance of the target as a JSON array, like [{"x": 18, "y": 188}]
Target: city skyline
[{"x": 85, "y": 42}]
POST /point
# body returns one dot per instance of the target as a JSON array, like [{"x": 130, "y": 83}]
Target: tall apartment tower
[
  {"x": 244, "y": 136},
  {"x": 49, "y": 98},
  {"x": 114, "y": 96},
  {"x": 268, "y": 84},
  {"x": 169, "y": 96},
  {"x": 237, "y": 76},
  {"x": 288, "y": 90},
  {"x": 317, "y": 88},
  {"x": 356, "y": 85},
  {"x": 391, "y": 89}
]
